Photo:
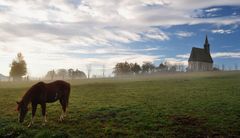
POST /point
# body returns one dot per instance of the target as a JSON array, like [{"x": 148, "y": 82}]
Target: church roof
[{"x": 199, "y": 54}]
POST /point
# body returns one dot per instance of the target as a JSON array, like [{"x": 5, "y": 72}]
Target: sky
[{"x": 54, "y": 34}]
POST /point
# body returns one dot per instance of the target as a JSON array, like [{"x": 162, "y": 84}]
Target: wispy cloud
[
  {"x": 183, "y": 56},
  {"x": 50, "y": 31},
  {"x": 222, "y": 31},
  {"x": 176, "y": 61},
  {"x": 212, "y": 9},
  {"x": 215, "y": 55},
  {"x": 182, "y": 34},
  {"x": 226, "y": 55}
]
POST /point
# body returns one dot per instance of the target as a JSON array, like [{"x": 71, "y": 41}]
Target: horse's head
[{"x": 22, "y": 109}]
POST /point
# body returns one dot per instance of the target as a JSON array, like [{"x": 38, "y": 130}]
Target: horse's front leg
[
  {"x": 44, "y": 113},
  {"x": 34, "y": 108}
]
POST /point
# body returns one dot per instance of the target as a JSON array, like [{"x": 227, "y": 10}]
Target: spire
[
  {"x": 206, "y": 40},
  {"x": 206, "y": 45}
]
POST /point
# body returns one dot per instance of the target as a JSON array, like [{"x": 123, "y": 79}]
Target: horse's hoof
[{"x": 60, "y": 119}]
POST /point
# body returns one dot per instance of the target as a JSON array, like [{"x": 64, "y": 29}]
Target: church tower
[{"x": 206, "y": 45}]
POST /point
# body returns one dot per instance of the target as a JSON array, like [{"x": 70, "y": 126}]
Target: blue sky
[{"x": 54, "y": 34}]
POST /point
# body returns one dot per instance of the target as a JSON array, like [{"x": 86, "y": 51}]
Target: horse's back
[
  {"x": 59, "y": 84},
  {"x": 56, "y": 90}
]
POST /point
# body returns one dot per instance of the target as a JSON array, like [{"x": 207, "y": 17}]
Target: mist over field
[{"x": 166, "y": 105}]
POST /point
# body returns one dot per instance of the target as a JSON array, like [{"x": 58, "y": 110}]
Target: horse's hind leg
[
  {"x": 43, "y": 105},
  {"x": 64, "y": 106}
]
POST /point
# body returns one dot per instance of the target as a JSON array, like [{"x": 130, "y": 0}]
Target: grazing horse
[{"x": 42, "y": 93}]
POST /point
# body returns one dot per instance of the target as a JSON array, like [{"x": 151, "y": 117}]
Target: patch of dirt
[
  {"x": 189, "y": 126},
  {"x": 102, "y": 116},
  {"x": 187, "y": 120},
  {"x": 193, "y": 127}
]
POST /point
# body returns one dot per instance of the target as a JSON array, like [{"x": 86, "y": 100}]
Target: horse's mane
[{"x": 27, "y": 96}]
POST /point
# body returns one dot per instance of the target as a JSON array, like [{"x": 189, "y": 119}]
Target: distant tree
[
  {"x": 71, "y": 73},
  {"x": 236, "y": 66},
  {"x": 79, "y": 74},
  {"x": 18, "y": 67},
  {"x": 173, "y": 68},
  {"x": 122, "y": 68},
  {"x": 89, "y": 69},
  {"x": 148, "y": 67},
  {"x": 162, "y": 67},
  {"x": 50, "y": 74},
  {"x": 103, "y": 71},
  {"x": 223, "y": 67},
  {"x": 135, "y": 68},
  {"x": 216, "y": 69},
  {"x": 62, "y": 73}
]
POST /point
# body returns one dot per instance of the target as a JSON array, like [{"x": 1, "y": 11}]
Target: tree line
[
  {"x": 125, "y": 68},
  {"x": 19, "y": 70},
  {"x": 65, "y": 74}
]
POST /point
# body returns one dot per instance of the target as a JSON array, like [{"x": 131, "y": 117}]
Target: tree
[
  {"x": 162, "y": 67},
  {"x": 89, "y": 69},
  {"x": 122, "y": 68},
  {"x": 18, "y": 67},
  {"x": 135, "y": 68},
  {"x": 148, "y": 67},
  {"x": 50, "y": 74},
  {"x": 103, "y": 71},
  {"x": 173, "y": 68},
  {"x": 216, "y": 69},
  {"x": 79, "y": 74},
  {"x": 71, "y": 73},
  {"x": 62, "y": 73}
]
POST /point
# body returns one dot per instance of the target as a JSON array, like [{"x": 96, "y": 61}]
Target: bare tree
[
  {"x": 89, "y": 69},
  {"x": 103, "y": 70},
  {"x": 62, "y": 73},
  {"x": 236, "y": 66},
  {"x": 223, "y": 67},
  {"x": 148, "y": 67}
]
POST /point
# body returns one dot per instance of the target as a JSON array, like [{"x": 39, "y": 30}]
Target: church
[{"x": 200, "y": 58}]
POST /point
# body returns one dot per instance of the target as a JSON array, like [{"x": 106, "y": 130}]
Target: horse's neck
[{"x": 27, "y": 98}]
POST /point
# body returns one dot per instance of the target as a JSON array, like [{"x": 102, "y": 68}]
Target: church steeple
[{"x": 206, "y": 45}]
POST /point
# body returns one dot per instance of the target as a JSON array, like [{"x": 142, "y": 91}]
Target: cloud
[
  {"x": 63, "y": 33},
  {"x": 215, "y": 55},
  {"x": 226, "y": 55},
  {"x": 176, "y": 61},
  {"x": 182, "y": 34},
  {"x": 183, "y": 56},
  {"x": 222, "y": 31},
  {"x": 156, "y": 34},
  {"x": 212, "y": 9}
]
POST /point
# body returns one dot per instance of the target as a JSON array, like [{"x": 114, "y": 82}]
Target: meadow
[{"x": 164, "y": 105}]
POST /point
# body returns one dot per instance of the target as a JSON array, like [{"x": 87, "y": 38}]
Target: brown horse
[{"x": 42, "y": 93}]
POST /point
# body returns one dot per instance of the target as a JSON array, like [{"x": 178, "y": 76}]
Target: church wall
[{"x": 199, "y": 66}]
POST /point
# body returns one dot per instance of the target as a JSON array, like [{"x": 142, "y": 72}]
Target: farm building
[{"x": 200, "y": 59}]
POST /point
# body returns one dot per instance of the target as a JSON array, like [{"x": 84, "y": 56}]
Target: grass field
[{"x": 178, "y": 105}]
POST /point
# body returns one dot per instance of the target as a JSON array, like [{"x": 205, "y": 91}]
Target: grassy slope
[{"x": 189, "y": 105}]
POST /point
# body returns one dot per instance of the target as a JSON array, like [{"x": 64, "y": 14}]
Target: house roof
[{"x": 199, "y": 54}]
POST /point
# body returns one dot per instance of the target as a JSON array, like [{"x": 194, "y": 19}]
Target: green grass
[{"x": 178, "y": 105}]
